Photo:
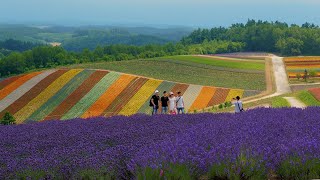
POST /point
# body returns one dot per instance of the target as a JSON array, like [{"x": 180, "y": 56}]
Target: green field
[
  {"x": 237, "y": 64},
  {"x": 307, "y": 98},
  {"x": 279, "y": 102},
  {"x": 189, "y": 71}
]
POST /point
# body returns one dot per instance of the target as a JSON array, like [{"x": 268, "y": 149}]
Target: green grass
[
  {"x": 220, "y": 63},
  {"x": 307, "y": 98},
  {"x": 279, "y": 102},
  {"x": 186, "y": 72}
]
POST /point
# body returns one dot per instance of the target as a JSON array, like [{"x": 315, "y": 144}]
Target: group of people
[
  {"x": 169, "y": 103},
  {"x": 175, "y": 105}
]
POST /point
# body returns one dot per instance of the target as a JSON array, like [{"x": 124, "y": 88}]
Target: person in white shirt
[
  {"x": 180, "y": 103},
  {"x": 172, "y": 103},
  {"x": 237, "y": 104}
]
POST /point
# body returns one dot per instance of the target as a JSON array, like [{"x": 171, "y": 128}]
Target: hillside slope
[{"x": 69, "y": 93}]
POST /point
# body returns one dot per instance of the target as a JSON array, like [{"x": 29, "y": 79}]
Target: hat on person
[
  {"x": 157, "y": 91},
  {"x": 171, "y": 93}
]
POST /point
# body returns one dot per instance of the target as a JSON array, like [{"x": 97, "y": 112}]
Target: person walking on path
[
  {"x": 172, "y": 103},
  {"x": 164, "y": 103},
  {"x": 237, "y": 104},
  {"x": 154, "y": 102},
  {"x": 180, "y": 103}
]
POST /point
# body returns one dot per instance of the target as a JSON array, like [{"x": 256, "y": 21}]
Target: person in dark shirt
[
  {"x": 164, "y": 103},
  {"x": 154, "y": 102}
]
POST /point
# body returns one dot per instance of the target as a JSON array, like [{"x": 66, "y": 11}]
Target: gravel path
[{"x": 294, "y": 102}]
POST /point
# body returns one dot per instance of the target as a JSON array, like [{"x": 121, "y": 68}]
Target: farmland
[
  {"x": 258, "y": 144},
  {"x": 296, "y": 66},
  {"x": 70, "y": 93},
  {"x": 192, "y": 70}
]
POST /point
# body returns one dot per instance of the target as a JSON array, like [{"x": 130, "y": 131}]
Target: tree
[
  {"x": 7, "y": 119},
  {"x": 290, "y": 46}
]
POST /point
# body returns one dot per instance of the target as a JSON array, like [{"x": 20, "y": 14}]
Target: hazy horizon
[{"x": 200, "y": 13}]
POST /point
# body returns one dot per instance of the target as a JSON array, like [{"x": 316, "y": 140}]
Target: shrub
[
  {"x": 313, "y": 73},
  {"x": 7, "y": 119},
  {"x": 299, "y": 76},
  {"x": 296, "y": 168}
]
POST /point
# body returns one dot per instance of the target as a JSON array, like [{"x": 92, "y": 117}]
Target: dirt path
[
  {"x": 294, "y": 102},
  {"x": 280, "y": 77},
  {"x": 280, "y": 74}
]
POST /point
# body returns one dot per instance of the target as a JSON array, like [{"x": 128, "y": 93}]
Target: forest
[
  {"x": 255, "y": 36},
  {"x": 263, "y": 36}
]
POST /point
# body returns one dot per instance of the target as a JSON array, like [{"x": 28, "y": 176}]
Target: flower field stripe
[
  {"x": 219, "y": 96},
  {"x": 7, "y": 81},
  {"x": 315, "y": 92},
  {"x": 204, "y": 98},
  {"x": 77, "y": 95},
  {"x": 15, "y": 84},
  {"x": 37, "y": 102},
  {"x": 234, "y": 93},
  {"x": 109, "y": 96},
  {"x": 16, "y": 94},
  {"x": 125, "y": 97},
  {"x": 190, "y": 95},
  {"x": 140, "y": 97},
  {"x": 84, "y": 104},
  {"x": 179, "y": 87},
  {"x": 63, "y": 93},
  {"x": 164, "y": 86},
  {"x": 32, "y": 93}
]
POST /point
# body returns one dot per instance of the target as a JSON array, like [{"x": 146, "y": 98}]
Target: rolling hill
[{"x": 70, "y": 93}]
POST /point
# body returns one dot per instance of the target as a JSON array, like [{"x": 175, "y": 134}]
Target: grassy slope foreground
[
  {"x": 70, "y": 93},
  {"x": 285, "y": 142},
  {"x": 248, "y": 75}
]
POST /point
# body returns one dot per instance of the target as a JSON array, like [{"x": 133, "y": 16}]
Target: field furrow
[
  {"x": 164, "y": 86},
  {"x": 84, "y": 104},
  {"x": 125, "y": 97},
  {"x": 7, "y": 81},
  {"x": 109, "y": 96},
  {"x": 190, "y": 95},
  {"x": 140, "y": 97},
  {"x": 78, "y": 94},
  {"x": 204, "y": 98},
  {"x": 32, "y": 93},
  {"x": 179, "y": 87},
  {"x": 63, "y": 93},
  {"x": 15, "y": 84},
  {"x": 23, "y": 89},
  {"x": 219, "y": 96},
  {"x": 37, "y": 102}
]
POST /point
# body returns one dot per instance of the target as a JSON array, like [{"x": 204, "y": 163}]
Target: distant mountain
[{"x": 78, "y": 38}]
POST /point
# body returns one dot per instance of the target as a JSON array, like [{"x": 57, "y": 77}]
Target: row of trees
[
  {"x": 48, "y": 57},
  {"x": 264, "y": 36}
]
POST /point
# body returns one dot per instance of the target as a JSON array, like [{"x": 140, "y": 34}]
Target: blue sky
[{"x": 197, "y": 13}]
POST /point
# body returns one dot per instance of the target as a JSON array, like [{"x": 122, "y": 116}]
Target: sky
[{"x": 194, "y": 13}]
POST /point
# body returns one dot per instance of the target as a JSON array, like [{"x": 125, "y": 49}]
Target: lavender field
[{"x": 257, "y": 144}]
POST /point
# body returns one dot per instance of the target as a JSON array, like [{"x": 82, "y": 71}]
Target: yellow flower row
[
  {"x": 45, "y": 95},
  {"x": 234, "y": 93},
  {"x": 140, "y": 97}
]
